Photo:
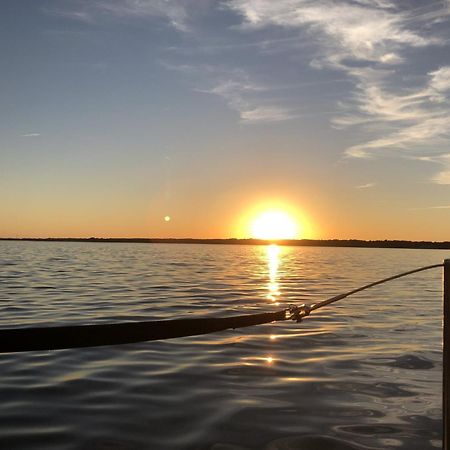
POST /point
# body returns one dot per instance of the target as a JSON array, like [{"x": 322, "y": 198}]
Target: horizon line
[{"x": 367, "y": 243}]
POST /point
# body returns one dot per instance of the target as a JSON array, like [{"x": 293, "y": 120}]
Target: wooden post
[{"x": 446, "y": 358}]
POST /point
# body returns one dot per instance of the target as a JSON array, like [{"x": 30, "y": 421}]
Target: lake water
[{"x": 364, "y": 373}]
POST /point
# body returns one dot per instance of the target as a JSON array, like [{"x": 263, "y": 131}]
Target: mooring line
[
  {"x": 76, "y": 336},
  {"x": 375, "y": 283}
]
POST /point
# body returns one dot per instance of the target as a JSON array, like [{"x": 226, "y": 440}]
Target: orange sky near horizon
[{"x": 221, "y": 220}]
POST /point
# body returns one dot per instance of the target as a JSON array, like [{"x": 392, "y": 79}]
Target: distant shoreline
[{"x": 442, "y": 245}]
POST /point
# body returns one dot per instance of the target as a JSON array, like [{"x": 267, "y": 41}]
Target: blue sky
[{"x": 118, "y": 113}]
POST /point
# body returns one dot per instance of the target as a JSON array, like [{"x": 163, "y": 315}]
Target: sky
[{"x": 117, "y": 115}]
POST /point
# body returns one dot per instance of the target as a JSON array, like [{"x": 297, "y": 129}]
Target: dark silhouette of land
[{"x": 445, "y": 245}]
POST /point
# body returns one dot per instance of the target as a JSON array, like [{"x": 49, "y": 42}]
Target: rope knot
[{"x": 298, "y": 312}]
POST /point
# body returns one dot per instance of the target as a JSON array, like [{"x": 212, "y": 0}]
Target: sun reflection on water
[{"x": 273, "y": 258}]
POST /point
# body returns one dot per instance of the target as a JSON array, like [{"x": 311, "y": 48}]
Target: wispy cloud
[
  {"x": 31, "y": 134},
  {"x": 443, "y": 162},
  {"x": 411, "y": 120},
  {"x": 358, "y": 30},
  {"x": 443, "y": 176},
  {"x": 365, "y": 186},
  {"x": 432, "y": 207},
  {"x": 92, "y": 11},
  {"x": 266, "y": 114},
  {"x": 373, "y": 43},
  {"x": 239, "y": 95},
  {"x": 247, "y": 97}
]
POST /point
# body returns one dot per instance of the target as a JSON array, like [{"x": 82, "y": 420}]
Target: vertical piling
[{"x": 446, "y": 358}]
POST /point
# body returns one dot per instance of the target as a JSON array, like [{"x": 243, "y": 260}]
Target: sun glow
[{"x": 273, "y": 225}]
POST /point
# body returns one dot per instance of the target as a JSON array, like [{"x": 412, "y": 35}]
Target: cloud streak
[
  {"x": 438, "y": 207},
  {"x": 373, "y": 43},
  {"x": 240, "y": 92},
  {"x": 365, "y": 186},
  {"x": 175, "y": 12},
  {"x": 443, "y": 176},
  {"x": 419, "y": 118},
  {"x": 359, "y": 30}
]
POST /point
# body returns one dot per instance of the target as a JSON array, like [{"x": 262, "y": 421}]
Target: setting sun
[{"x": 274, "y": 225}]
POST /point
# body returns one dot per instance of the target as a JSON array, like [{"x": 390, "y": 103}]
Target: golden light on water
[
  {"x": 273, "y": 260},
  {"x": 273, "y": 225}
]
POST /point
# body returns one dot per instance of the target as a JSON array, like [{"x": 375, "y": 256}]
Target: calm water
[{"x": 364, "y": 374}]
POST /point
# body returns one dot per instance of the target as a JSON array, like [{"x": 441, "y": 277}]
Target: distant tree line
[{"x": 232, "y": 241}]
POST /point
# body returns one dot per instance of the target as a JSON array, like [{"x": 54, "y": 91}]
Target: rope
[
  {"x": 375, "y": 283},
  {"x": 57, "y": 338},
  {"x": 298, "y": 312}
]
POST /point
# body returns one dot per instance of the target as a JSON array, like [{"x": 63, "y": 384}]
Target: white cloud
[
  {"x": 443, "y": 160},
  {"x": 365, "y": 186},
  {"x": 440, "y": 79},
  {"x": 266, "y": 114},
  {"x": 365, "y": 31},
  {"x": 370, "y": 41},
  {"x": 31, "y": 134},
  {"x": 434, "y": 130},
  {"x": 250, "y": 108},
  {"x": 418, "y": 118},
  {"x": 240, "y": 92}
]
